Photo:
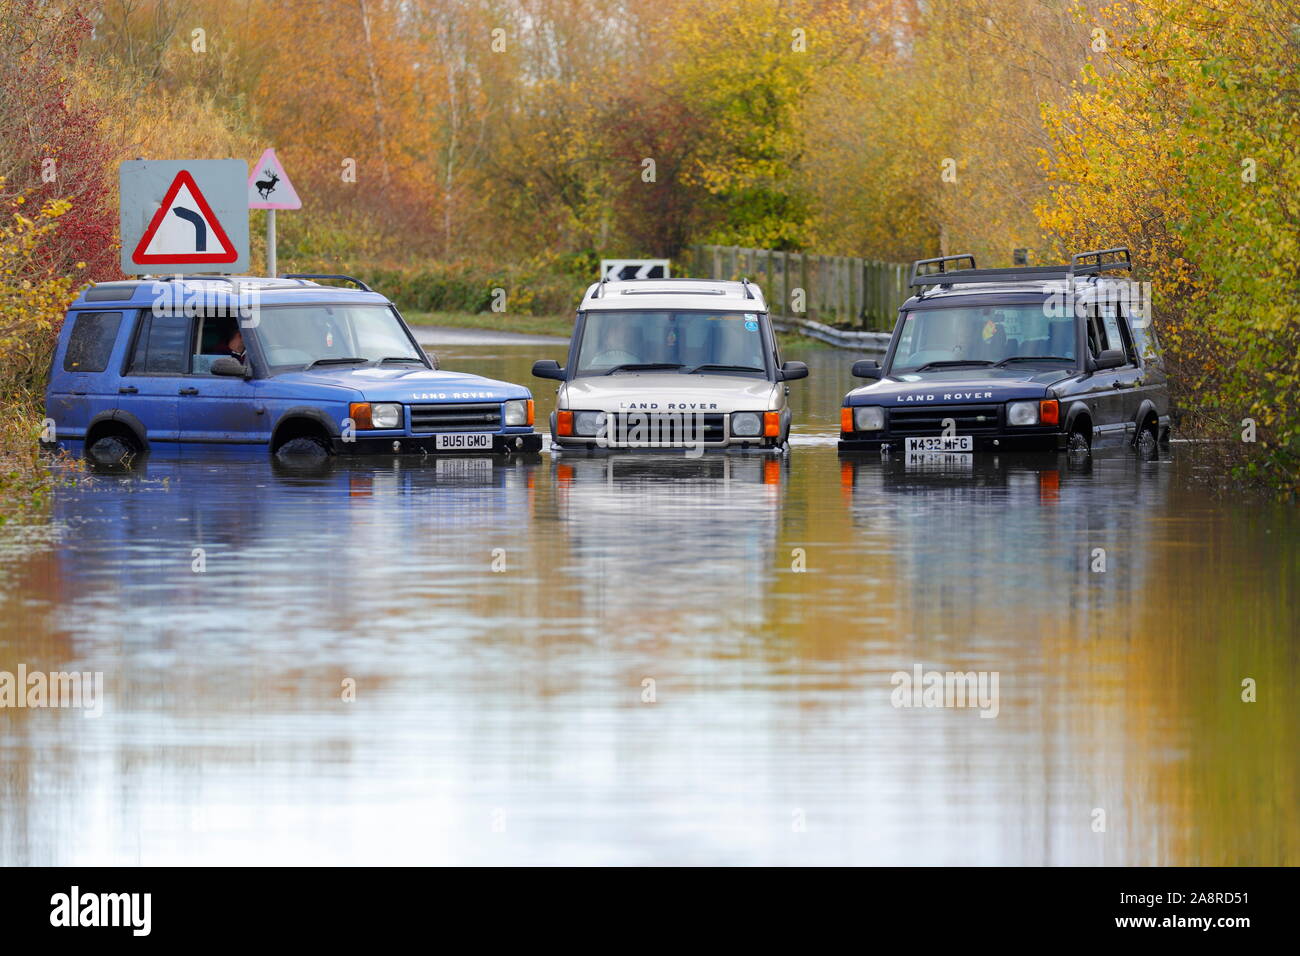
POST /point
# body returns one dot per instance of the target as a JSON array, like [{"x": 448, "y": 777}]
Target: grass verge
[{"x": 26, "y": 475}]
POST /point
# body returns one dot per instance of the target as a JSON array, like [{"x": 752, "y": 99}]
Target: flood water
[{"x": 648, "y": 660}]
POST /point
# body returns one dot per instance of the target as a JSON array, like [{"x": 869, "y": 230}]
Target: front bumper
[
  {"x": 505, "y": 444},
  {"x": 756, "y": 445},
  {"x": 1033, "y": 438}
]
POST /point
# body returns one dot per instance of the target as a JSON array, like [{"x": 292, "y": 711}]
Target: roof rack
[
  {"x": 328, "y": 275},
  {"x": 600, "y": 288},
  {"x": 942, "y": 270},
  {"x": 744, "y": 282},
  {"x": 193, "y": 277},
  {"x": 1077, "y": 267}
]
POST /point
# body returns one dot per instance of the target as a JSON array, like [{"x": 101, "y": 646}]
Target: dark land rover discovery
[{"x": 1043, "y": 358}]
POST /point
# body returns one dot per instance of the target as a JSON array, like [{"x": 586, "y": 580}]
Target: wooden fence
[{"x": 837, "y": 290}]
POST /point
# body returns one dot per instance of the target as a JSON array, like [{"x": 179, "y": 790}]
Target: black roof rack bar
[
  {"x": 600, "y": 288},
  {"x": 941, "y": 262},
  {"x": 744, "y": 281},
  {"x": 328, "y": 275},
  {"x": 1077, "y": 267},
  {"x": 1077, "y": 264},
  {"x": 200, "y": 277}
]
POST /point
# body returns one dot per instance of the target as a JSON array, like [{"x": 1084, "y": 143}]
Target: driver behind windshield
[
  {"x": 985, "y": 335},
  {"x": 617, "y": 345}
]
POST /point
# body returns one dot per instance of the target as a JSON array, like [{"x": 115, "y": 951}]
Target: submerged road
[{"x": 651, "y": 659}]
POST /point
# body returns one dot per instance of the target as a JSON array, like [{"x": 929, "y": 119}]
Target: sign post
[
  {"x": 187, "y": 215},
  {"x": 269, "y": 188}
]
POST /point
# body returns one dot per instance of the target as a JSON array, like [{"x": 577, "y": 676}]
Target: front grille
[
  {"x": 928, "y": 419},
  {"x": 464, "y": 417},
  {"x": 667, "y": 428}
]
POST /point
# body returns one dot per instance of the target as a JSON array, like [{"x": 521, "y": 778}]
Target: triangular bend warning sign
[{"x": 184, "y": 229}]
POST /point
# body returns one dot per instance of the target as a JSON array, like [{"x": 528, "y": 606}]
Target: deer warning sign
[
  {"x": 177, "y": 215},
  {"x": 269, "y": 186}
]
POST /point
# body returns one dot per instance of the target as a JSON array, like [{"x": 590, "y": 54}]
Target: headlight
[
  {"x": 518, "y": 412},
  {"x": 588, "y": 424},
  {"x": 386, "y": 416},
  {"x": 746, "y": 424},
  {"x": 1022, "y": 413},
  {"x": 868, "y": 418}
]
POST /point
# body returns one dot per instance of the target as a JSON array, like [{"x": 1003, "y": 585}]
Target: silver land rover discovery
[{"x": 672, "y": 363}]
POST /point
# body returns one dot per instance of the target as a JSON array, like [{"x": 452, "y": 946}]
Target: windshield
[
  {"x": 983, "y": 335},
  {"x": 688, "y": 341},
  {"x": 297, "y": 336}
]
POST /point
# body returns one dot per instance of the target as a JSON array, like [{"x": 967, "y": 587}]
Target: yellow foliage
[{"x": 32, "y": 304}]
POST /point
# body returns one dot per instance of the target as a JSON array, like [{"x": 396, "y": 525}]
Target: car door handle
[
  {"x": 188, "y": 391},
  {"x": 128, "y": 390}
]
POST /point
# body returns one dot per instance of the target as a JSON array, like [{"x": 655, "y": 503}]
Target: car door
[
  {"x": 155, "y": 374},
  {"x": 218, "y": 409},
  {"x": 1128, "y": 377},
  {"x": 1104, "y": 399}
]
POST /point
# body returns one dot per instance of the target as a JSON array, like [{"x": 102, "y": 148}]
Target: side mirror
[
  {"x": 793, "y": 370},
  {"x": 867, "y": 368},
  {"x": 548, "y": 368},
  {"x": 228, "y": 365},
  {"x": 1110, "y": 358}
]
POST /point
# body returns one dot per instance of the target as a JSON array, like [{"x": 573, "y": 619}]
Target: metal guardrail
[
  {"x": 871, "y": 343},
  {"x": 861, "y": 294}
]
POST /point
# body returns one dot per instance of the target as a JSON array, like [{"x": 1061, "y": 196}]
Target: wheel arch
[
  {"x": 302, "y": 420},
  {"x": 1147, "y": 410},
  {"x": 1078, "y": 416},
  {"x": 115, "y": 421}
]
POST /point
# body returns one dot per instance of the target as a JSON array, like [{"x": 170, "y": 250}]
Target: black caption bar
[{"x": 331, "y": 906}]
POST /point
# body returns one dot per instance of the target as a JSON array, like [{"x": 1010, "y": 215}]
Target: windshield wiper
[
  {"x": 639, "y": 366},
  {"x": 951, "y": 363},
  {"x": 1033, "y": 358},
  {"x": 713, "y": 367},
  {"x": 335, "y": 361},
  {"x": 399, "y": 358}
]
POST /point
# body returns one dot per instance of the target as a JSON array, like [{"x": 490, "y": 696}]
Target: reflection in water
[{"x": 643, "y": 659}]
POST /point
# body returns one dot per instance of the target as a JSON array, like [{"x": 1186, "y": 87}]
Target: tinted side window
[
  {"x": 91, "y": 341},
  {"x": 1144, "y": 338},
  {"x": 1096, "y": 334},
  {"x": 1130, "y": 351},
  {"x": 163, "y": 346},
  {"x": 1116, "y": 334}
]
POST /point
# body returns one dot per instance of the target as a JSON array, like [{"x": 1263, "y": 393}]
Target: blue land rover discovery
[
  {"x": 289, "y": 364},
  {"x": 1041, "y": 358}
]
